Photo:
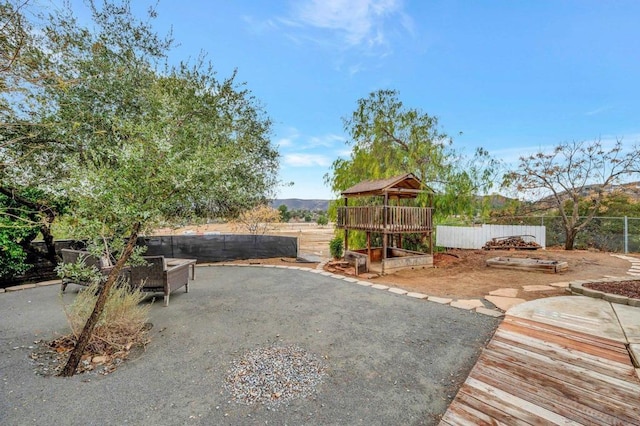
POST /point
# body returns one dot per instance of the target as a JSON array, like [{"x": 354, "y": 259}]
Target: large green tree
[
  {"x": 27, "y": 211},
  {"x": 129, "y": 141},
  {"x": 388, "y": 138},
  {"x": 574, "y": 179}
]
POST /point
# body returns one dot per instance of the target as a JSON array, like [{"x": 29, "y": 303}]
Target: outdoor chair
[
  {"x": 73, "y": 256},
  {"x": 156, "y": 277}
]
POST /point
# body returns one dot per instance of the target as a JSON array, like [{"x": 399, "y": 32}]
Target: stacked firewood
[{"x": 516, "y": 242}]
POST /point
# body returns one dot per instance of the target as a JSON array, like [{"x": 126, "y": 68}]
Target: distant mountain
[
  {"x": 495, "y": 201},
  {"x": 298, "y": 204},
  {"x": 631, "y": 189}
]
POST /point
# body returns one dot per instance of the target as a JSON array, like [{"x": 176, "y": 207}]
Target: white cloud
[
  {"x": 327, "y": 141},
  {"x": 598, "y": 111},
  {"x": 292, "y": 138},
  {"x": 291, "y": 135},
  {"x": 355, "y": 69},
  {"x": 306, "y": 160},
  {"x": 357, "y": 22},
  {"x": 284, "y": 142},
  {"x": 511, "y": 156},
  {"x": 259, "y": 27}
]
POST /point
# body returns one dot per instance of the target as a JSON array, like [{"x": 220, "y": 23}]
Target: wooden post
[
  {"x": 431, "y": 242},
  {"x": 346, "y": 224},
  {"x": 385, "y": 224}
]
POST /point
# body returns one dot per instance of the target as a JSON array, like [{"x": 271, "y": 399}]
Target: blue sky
[{"x": 513, "y": 76}]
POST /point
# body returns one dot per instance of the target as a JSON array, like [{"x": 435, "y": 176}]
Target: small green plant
[{"x": 336, "y": 247}]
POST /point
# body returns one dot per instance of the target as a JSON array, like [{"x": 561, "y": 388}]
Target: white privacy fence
[{"x": 474, "y": 237}]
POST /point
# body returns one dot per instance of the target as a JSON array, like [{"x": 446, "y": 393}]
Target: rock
[{"x": 100, "y": 359}]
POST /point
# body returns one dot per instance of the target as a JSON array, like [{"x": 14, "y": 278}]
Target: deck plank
[
  {"x": 555, "y": 395},
  {"x": 563, "y": 354},
  {"x": 604, "y": 348},
  {"x": 501, "y": 411},
  {"x": 535, "y": 373}
]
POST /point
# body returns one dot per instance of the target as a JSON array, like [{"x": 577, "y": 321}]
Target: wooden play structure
[{"x": 391, "y": 219}]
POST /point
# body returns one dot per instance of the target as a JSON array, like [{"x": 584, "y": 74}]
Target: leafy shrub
[
  {"x": 12, "y": 256},
  {"x": 78, "y": 271},
  {"x": 18, "y": 228},
  {"x": 322, "y": 220},
  {"x": 257, "y": 220},
  {"x": 121, "y": 325},
  {"x": 336, "y": 248}
]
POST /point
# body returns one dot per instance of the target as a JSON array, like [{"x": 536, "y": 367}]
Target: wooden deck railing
[{"x": 398, "y": 219}]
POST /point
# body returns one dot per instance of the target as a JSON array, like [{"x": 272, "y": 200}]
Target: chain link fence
[{"x": 612, "y": 234}]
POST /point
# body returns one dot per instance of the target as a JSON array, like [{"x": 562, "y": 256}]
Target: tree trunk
[
  {"x": 87, "y": 331},
  {"x": 49, "y": 242},
  {"x": 570, "y": 239}
]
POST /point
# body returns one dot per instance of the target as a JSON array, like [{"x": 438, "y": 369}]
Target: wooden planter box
[{"x": 526, "y": 264}]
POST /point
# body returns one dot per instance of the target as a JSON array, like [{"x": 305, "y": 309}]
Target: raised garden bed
[
  {"x": 620, "y": 290},
  {"x": 528, "y": 264}
]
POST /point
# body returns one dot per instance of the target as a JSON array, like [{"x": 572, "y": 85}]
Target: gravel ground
[{"x": 358, "y": 356}]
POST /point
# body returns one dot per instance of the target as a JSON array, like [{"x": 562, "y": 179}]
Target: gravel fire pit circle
[{"x": 274, "y": 375}]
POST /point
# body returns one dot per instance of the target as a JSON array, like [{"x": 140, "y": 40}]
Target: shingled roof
[{"x": 403, "y": 186}]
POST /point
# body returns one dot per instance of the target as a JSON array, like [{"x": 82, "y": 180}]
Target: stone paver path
[
  {"x": 506, "y": 298},
  {"x": 634, "y": 270}
]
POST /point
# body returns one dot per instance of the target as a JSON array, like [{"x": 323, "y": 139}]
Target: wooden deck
[
  {"x": 389, "y": 219},
  {"x": 538, "y": 374}
]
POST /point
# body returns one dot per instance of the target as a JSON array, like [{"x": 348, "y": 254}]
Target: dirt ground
[
  {"x": 463, "y": 273},
  {"x": 457, "y": 273}
]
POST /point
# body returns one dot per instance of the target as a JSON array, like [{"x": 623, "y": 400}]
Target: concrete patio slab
[
  {"x": 585, "y": 314},
  {"x": 629, "y": 317}
]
